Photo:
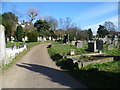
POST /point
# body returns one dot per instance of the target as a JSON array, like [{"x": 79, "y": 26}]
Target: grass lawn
[
  {"x": 105, "y": 75},
  {"x": 114, "y": 51},
  {"x": 64, "y": 49}
]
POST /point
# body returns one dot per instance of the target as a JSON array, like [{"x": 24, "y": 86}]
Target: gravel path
[{"x": 36, "y": 70}]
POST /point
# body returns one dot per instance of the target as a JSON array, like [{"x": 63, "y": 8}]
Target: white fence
[{"x": 11, "y": 53}]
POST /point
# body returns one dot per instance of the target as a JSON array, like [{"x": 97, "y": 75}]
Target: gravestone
[
  {"x": 115, "y": 41},
  {"x": 41, "y": 39},
  {"x": 65, "y": 39},
  {"x": 108, "y": 41},
  {"x": 72, "y": 52},
  {"x": 44, "y": 39},
  {"x": 80, "y": 44},
  {"x": 99, "y": 45},
  {"x": 53, "y": 39},
  {"x": 92, "y": 46},
  {"x": 26, "y": 38},
  {"x": 12, "y": 39},
  {"x": 2, "y": 44},
  {"x": 7, "y": 39},
  {"x": 84, "y": 42},
  {"x": 110, "y": 46},
  {"x": 38, "y": 38},
  {"x": 73, "y": 42},
  {"x": 50, "y": 38}
]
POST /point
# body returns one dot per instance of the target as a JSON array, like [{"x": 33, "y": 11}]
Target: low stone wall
[
  {"x": 10, "y": 54},
  {"x": 100, "y": 61}
]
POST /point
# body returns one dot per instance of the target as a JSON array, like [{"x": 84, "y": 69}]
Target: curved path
[{"x": 36, "y": 70}]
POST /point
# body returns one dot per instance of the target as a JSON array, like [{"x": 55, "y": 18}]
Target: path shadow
[
  {"x": 54, "y": 75},
  {"x": 93, "y": 78}
]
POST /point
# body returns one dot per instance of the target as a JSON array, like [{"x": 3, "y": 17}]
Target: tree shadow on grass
[
  {"x": 56, "y": 57},
  {"x": 54, "y": 75},
  {"x": 93, "y": 78}
]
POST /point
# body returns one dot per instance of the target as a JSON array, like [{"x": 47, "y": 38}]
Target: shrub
[
  {"x": 32, "y": 36},
  {"x": 19, "y": 33}
]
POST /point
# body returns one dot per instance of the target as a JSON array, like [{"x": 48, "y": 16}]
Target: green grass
[
  {"x": 30, "y": 44},
  {"x": 61, "y": 49},
  {"x": 105, "y": 75},
  {"x": 9, "y": 44},
  {"x": 114, "y": 51},
  {"x": 64, "y": 49}
]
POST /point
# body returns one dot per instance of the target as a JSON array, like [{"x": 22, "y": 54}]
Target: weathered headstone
[
  {"x": 110, "y": 46},
  {"x": 2, "y": 44},
  {"x": 72, "y": 52},
  {"x": 92, "y": 46},
  {"x": 99, "y": 45},
  {"x": 108, "y": 41},
  {"x": 65, "y": 39},
  {"x": 26, "y": 38},
  {"x": 7, "y": 39},
  {"x": 115, "y": 41},
  {"x": 12, "y": 38},
  {"x": 50, "y": 38},
  {"x": 44, "y": 39},
  {"x": 80, "y": 44},
  {"x": 73, "y": 42},
  {"x": 41, "y": 39},
  {"x": 38, "y": 38}
]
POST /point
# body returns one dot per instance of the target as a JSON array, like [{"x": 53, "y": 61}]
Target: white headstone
[
  {"x": 50, "y": 38},
  {"x": 41, "y": 39},
  {"x": 73, "y": 42},
  {"x": 26, "y": 38},
  {"x": 7, "y": 39},
  {"x": 38, "y": 39},
  {"x": 44, "y": 39},
  {"x": 2, "y": 43}
]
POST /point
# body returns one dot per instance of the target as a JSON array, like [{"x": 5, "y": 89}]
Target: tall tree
[
  {"x": 102, "y": 31},
  {"x": 68, "y": 23},
  {"x": 9, "y": 20},
  {"x": 90, "y": 34},
  {"x": 19, "y": 33},
  {"x": 42, "y": 25},
  {"x": 110, "y": 26},
  {"x": 61, "y": 24}
]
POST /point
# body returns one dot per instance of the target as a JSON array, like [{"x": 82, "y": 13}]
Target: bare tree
[
  {"x": 61, "y": 24},
  {"x": 68, "y": 23},
  {"x": 32, "y": 13},
  {"x": 52, "y": 21},
  {"x": 110, "y": 26}
]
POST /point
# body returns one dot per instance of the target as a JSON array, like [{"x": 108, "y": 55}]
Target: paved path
[{"x": 37, "y": 70}]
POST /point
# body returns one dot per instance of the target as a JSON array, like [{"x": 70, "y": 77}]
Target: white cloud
[
  {"x": 97, "y": 11},
  {"x": 94, "y": 27}
]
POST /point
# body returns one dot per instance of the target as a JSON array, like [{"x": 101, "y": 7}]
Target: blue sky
[{"x": 84, "y": 14}]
